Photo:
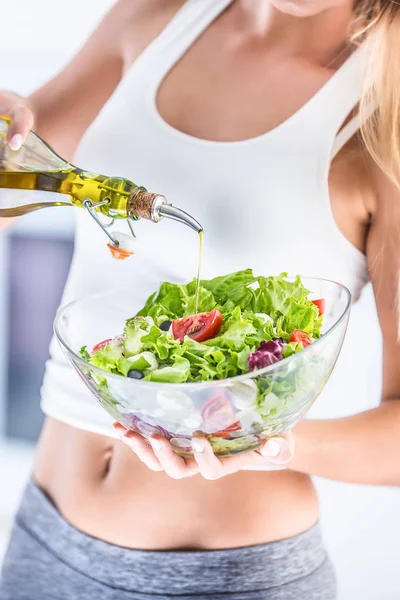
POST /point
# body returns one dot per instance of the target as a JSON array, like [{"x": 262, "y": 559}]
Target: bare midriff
[{"x": 101, "y": 488}]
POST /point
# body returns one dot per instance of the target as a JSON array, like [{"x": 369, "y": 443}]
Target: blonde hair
[{"x": 377, "y": 25}]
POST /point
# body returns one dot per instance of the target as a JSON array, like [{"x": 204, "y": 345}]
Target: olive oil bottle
[{"x": 37, "y": 167}]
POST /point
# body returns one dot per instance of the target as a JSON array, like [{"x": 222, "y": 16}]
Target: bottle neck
[
  {"x": 144, "y": 205},
  {"x": 72, "y": 186}
]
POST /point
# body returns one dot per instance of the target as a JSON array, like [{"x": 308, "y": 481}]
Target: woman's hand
[
  {"x": 161, "y": 456},
  {"x": 22, "y": 117},
  {"x": 19, "y": 110}
]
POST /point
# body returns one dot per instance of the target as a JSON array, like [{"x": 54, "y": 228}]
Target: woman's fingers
[
  {"x": 22, "y": 120},
  {"x": 119, "y": 428},
  {"x": 139, "y": 446},
  {"x": 275, "y": 451},
  {"x": 174, "y": 465},
  {"x": 210, "y": 466},
  {"x": 278, "y": 450},
  {"x": 143, "y": 451},
  {"x": 160, "y": 456}
]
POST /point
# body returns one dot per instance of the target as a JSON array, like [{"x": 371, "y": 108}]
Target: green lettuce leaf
[
  {"x": 168, "y": 300},
  {"x": 135, "y": 330},
  {"x": 140, "y": 363},
  {"x": 274, "y": 293},
  {"x": 235, "y": 332},
  {"x": 160, "y": 343},
  {"x": 83, "y": 353},
  {"x": 222, "y": 287},
  {"x": 124, "y": 366},
  {"x": 206, "y": 301},
  {"x": 300, "y": 314},
  {"x": 110, "y": 358},
  {"x": 178, "y": 372}
]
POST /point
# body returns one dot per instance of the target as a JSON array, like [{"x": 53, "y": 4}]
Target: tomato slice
[
  {"x": 301, "y": 337},
  {"x": 226, "y": 433},
  {"x": 101, "y": 345},
  {"x": 320, "y": 304},
  {"x": 200, "y": 327},
  {"x": 218, "y": 414}
]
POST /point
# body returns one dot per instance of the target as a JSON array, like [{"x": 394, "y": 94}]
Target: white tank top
[{"x": 264, "y": 202}]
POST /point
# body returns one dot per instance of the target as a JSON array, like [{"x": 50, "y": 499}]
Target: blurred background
[{"x": 361, "y": 524}]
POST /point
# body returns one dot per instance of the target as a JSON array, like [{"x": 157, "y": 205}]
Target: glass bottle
[{"x": 37, "y": 167}]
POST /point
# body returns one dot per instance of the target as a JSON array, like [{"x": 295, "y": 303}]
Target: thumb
[{"x": 279, "y": 450}]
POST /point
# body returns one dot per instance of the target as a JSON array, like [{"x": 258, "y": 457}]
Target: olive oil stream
[{"x": 200, "y": 263}]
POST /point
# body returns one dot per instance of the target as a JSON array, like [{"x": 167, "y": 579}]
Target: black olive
[
  {"x": 135, "y": 374},
  {"x": 165, "y": 325}
]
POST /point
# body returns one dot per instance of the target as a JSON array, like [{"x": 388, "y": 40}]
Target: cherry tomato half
[
  {"x": 101, "y": 345},
  {"x": 320, "y": 304},
  {"x": 200, "y": 327},
  {"x": 301, "y": 337}
]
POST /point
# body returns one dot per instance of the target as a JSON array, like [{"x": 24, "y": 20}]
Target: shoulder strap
[
  {"x": 345, "y": 134},
  {"x": 348, "y": 131}
]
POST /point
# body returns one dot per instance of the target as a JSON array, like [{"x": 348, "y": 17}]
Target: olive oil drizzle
[{"x": 201, "y": 234}]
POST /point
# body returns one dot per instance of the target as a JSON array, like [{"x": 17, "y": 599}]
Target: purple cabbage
[{"x": 267, "y": 354}]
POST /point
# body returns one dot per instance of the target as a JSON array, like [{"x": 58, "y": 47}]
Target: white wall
[
  {"x": 361, "y": 524},
  {"x": 38, "y": 36}
]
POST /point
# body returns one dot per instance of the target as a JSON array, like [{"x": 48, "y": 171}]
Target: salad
[{"x": 244, "y": 323}]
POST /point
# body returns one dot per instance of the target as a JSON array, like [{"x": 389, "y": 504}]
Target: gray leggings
[{"x": 48, "y": 559}]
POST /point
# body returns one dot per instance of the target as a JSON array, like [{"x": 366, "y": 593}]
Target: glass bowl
[{"x": 236, "y": 414}]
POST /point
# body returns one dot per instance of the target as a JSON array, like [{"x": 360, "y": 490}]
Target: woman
[{"x": 244, "y": 112}]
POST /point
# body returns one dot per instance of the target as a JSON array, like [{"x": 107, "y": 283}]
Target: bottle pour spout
[
  {"x": 154, "y": 207},
  {"x": 176, "y": 214}
]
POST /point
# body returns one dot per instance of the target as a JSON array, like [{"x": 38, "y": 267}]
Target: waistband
[{"x": 245, "y": 569}]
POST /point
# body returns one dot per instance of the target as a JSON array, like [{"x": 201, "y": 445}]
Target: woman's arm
[{"x": 365, "y": 448}]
